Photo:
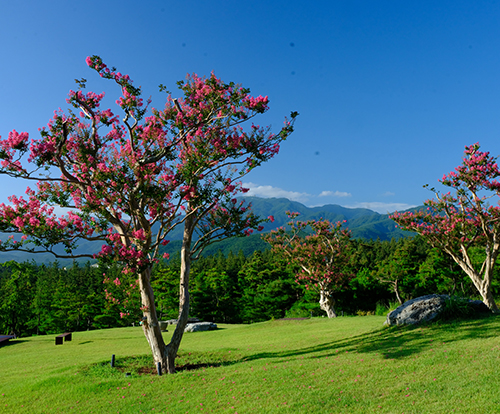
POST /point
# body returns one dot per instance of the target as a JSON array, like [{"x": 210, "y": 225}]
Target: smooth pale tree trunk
[
  {"x": 150, "y": 325},
  {"x": 173, "y": 346},
  {"x": 484, "y": 288},
  {"x": 326, "y": 303},
  {"x": 396, "y": 291},
  {"x": 482, "y": 284},
  {"x": 166, "y": 354}
]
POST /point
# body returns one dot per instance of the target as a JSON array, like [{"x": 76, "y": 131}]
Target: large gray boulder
[
  {"x": 200, "y": 326},
  {"x": 426, "y": 308},
  {"x": 422, "y": 309}
]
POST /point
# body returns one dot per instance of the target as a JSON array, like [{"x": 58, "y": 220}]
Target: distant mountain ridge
[{"x": 363, "y": 223}]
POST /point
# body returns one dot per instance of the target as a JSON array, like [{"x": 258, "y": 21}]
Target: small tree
[
  {"x": 399, "y": 271},
  {"x": 131, "y": 183},
  {"x": 321, "y": 257},
  {"x": 17, "y": 289},
  {"x": 464, "y": 218}
]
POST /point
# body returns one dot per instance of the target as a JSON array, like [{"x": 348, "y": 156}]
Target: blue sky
[{"x": 388, "y": 92}]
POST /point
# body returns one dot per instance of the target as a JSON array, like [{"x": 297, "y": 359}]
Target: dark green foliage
[
  {"x": 456, "y": 308},
  {"x": 399, "y": 271},
  {"x": 452, "y": 279},
  {"x": 53, "y": 299},
  {"x": 268, "y": 288},
  {"x": 165, "y": 283},
  {"x": 213, "y": 295},
  {"x": 67, "y": 298},
  {"x": 226, "y": 287},
  {"x": 17, "y": 287}
]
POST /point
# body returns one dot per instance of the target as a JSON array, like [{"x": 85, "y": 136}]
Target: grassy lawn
[{"x": 345, "y": 365}]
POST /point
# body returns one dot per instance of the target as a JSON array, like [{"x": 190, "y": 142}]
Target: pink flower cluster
[{"x": 259, "y": 103}]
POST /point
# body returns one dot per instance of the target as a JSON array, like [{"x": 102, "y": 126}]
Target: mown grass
[{"x": 344, "y": 365}]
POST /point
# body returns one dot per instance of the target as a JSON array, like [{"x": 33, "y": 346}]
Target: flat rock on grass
[{"x": 200, "y": 326}]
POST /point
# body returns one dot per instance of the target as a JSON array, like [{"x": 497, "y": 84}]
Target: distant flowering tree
[
  {"x": 130, "y": 183},
  {"x": 322, "y": 256},
  {"x": 466, "y": 217}
]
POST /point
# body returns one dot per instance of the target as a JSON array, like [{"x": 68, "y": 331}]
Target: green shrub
[
  {"x": 364, "y": 313},
  {"x": 383, "y": 309},
  {"x": 456, "y": 308},
  {"x": 298, "y": 312}
]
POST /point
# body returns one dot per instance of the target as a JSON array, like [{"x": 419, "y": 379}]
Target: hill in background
[{"x": 363, "y": 223}]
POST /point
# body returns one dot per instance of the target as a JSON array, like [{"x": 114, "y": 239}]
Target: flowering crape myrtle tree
[
  {"x": 465, "y": 218},
  {"x": 130, "y": 183},
  {"x": 322, "y": 256}
]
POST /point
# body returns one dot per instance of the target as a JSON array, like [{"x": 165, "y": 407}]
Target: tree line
[{"x": 233, "y": 288}]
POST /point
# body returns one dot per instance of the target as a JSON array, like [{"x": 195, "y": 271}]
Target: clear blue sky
[{"x": 388, "y": 92}]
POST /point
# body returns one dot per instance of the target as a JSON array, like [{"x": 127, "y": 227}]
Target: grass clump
[{"x": 383, "y": 309}]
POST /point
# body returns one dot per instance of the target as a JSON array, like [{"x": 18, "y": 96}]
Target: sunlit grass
[{"x": 345, "y": 365}]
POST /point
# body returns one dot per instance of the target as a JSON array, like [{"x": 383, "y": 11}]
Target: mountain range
[{"x": 363, "y": 223}]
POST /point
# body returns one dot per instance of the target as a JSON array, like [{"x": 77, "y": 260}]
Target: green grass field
[{"x": 344, "y": 365}]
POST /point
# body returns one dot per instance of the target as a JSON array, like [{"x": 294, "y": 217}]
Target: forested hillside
[
  {"x": 363, "y": 223},
  {"x": 232, "y": 288},
  {"x": 237, "y": 281}
]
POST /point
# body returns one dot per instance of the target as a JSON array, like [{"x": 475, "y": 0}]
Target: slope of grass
[{"x": 345, "y": 365}]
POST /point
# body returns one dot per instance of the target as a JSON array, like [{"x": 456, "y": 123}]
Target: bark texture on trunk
[
  {"x": 326, "y": 303},
  {"x": 173, "y": 346},
  {"x": 150, "y": 325},
  {"x": 166, "y": 354},
  {"x": 484, "y": 289},
  {"x": 396, "y": 291},
  {"x": 482, "y": 284}
]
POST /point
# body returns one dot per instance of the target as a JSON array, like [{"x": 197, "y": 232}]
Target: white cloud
[
  {"x": 334, "y": 194},
  {"x": 388, "y": 194},
  {"x": 382, "y": 208},
  {"x": 268, "y": 191}
]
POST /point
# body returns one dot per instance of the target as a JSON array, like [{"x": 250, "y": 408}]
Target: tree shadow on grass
[
  {"x": 143, "y": 364},
  {"x": 404, "y": 341},
  {"x": 398, "y": 341},
  {"x": 11, "y": 342}
]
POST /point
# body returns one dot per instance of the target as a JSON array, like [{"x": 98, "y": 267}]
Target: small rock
[
  {"x": 174, "y": 321},
  {"x": 479, "y": 306},
  {"x": 200, "y": 326}
]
